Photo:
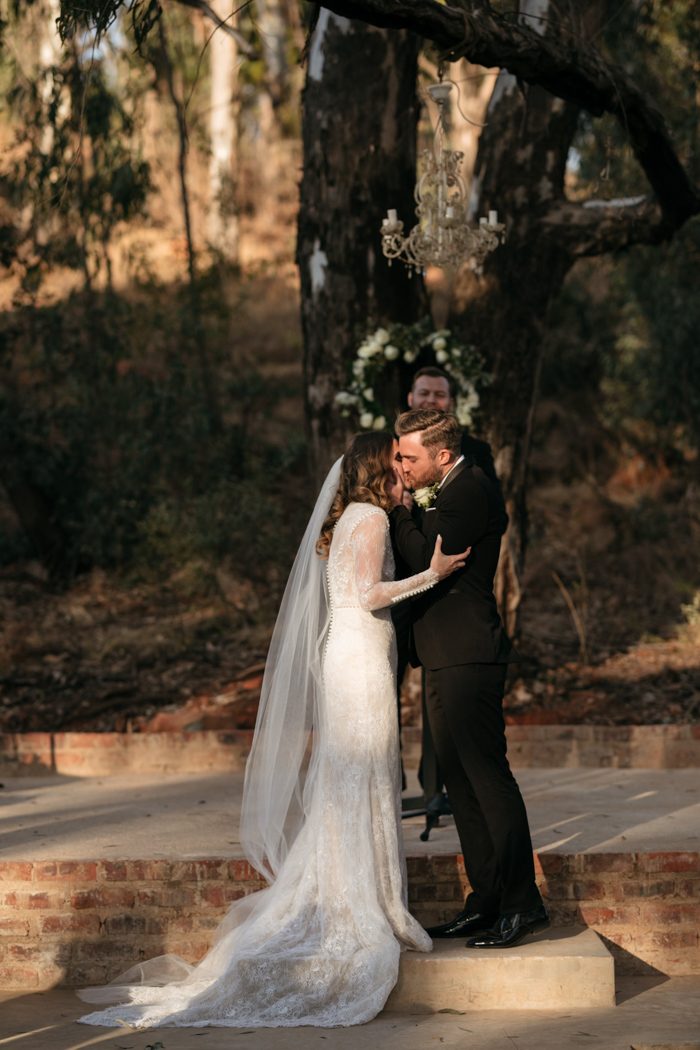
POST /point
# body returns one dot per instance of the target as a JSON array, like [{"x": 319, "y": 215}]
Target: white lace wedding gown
[{"x": 321, "y": 945}]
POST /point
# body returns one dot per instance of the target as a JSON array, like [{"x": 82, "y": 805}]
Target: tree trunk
[
  {"x": 196, "y": 336},
  {"x": 273, "y": 37},
  {"x": 520, "y": 172},
  {"x": 223, "y": 140},
  {"x": 474, "y": 87},
  {"x": 359, "y": 137},
  {"x": 50, "y": 54}
]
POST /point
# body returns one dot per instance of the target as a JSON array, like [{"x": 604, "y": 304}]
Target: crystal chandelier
[{"x": 442, "y": 236}]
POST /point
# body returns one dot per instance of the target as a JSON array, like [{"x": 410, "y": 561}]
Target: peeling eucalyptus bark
[
  {"x": 222, "y": 219},
  {"x": 359, "y": 137}
]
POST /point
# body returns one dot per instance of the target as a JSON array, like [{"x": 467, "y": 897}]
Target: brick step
[
  {"x": 645, "y": 905},
  {"x": 529, "y": 747},
  {"x": 83, "y": 921},
  {"x": 557, "y": 969}
]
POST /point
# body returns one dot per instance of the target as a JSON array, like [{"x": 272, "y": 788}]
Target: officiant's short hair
[
  {"x": 437, "y": 429},
  {"x": 433, "y": 372}
]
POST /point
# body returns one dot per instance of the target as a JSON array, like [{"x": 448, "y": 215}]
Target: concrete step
[{"x": 567, "y": 968}]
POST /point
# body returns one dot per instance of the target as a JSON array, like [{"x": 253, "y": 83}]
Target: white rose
[
  {"x": 358, "y": 368},
  {"x": 409, "y": 356},
  {"x": 466, "y": 404},
  {"x": 368, "y": 393},
  {"x": 425, "y": 496},
  {"x": 441, "y": 356},
  {"x": 391, "y": 352},
  {"x": 382, "y": 336},
  {"x": 366, "y": 420},
  {"x": 439, "y": 343},
  {"x": 379, "y": 423},
  {"x": 365, "y": 351}
]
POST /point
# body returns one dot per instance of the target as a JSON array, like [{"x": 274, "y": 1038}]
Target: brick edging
[
  {"x": 529, "y": 746},
  {"x": 102, "y": 754},
  {"x": 645, "y": 906},
  {"x": 82, "y": 922}
]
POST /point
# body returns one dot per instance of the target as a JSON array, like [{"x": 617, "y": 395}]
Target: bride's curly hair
[{"x": 366, "y": 473}]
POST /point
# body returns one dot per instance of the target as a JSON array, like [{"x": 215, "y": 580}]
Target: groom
[{"x": 458, "y": 637}]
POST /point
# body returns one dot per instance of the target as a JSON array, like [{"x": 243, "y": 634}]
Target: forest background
[{"x": 158, "y": 444}]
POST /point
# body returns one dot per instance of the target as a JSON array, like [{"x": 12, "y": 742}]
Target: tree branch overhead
[
  {"x": 571, "y": 70},
  {"x": 598, "y": 227}
]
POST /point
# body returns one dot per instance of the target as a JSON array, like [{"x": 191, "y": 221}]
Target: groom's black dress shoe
[
  {"x": 465, "y": 923},
  {"x": 510, "y": 929}
]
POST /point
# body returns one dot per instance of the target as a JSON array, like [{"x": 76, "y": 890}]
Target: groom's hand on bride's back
[{"x": 445, "y": 564}]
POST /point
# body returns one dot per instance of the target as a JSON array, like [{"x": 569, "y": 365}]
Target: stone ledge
[
  {"x": 529, "y": 746},
  {"x": 102, "y": 754}
]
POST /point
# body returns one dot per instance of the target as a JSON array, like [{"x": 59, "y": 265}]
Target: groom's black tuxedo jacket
[{"x": 456, "y": 621}]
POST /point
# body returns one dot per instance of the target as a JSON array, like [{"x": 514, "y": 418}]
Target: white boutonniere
[{"x": 426, "y": 497}]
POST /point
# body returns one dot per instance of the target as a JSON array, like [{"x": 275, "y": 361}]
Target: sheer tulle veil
[
  {"x": 280, "y": 771},
  {"x": 279, "y": 779}
]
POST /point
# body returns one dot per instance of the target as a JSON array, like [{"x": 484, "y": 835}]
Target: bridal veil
[{"x": 279, "y": 777}]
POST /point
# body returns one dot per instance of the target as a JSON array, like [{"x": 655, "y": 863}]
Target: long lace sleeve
[{"x": 368, "y": 547}]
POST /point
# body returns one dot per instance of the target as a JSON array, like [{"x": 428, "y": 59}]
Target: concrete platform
[
  {"x": 555, "y": 970},
  {"x": 651, "y": 1013},
  {"x": 197, "y": 815}
]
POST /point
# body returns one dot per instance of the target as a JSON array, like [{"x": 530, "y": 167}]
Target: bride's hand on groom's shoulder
[{"x": 445, "y": 564}]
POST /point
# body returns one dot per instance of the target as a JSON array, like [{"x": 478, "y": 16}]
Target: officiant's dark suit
[{"x": 458, "y": 637}]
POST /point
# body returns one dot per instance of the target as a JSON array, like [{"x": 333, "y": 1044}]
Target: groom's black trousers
[{"x": 465, "y": 708}]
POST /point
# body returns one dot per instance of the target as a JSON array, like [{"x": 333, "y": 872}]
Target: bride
[{"x": 321, "y": 799}]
